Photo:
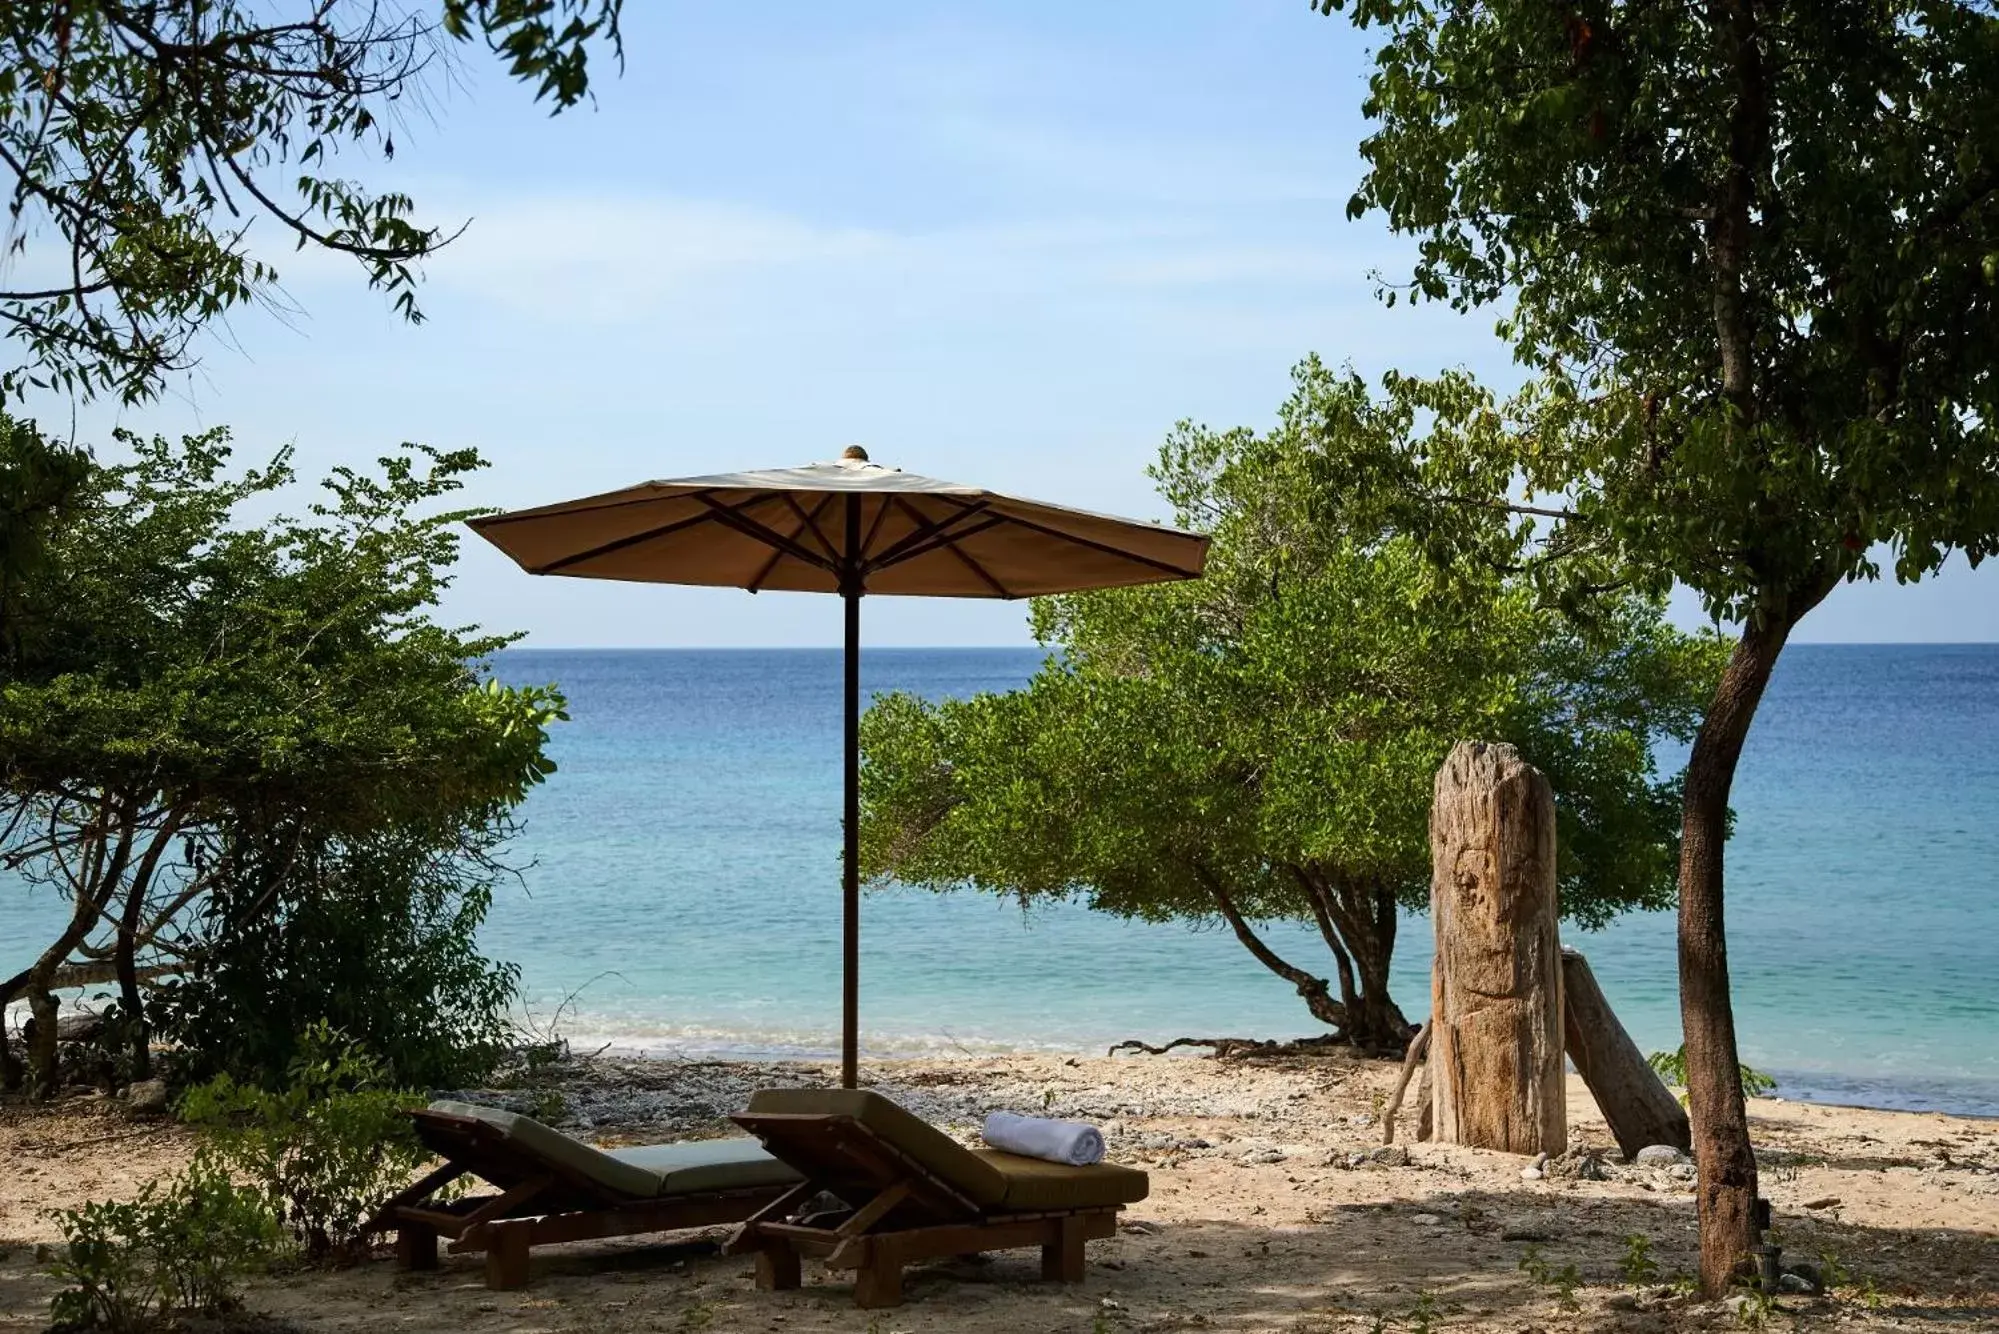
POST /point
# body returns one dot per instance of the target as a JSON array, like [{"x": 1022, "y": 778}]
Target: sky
[{"x": 1005, "y": 245}]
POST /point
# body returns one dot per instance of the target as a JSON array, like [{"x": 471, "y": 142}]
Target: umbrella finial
[{"x": 853, "y": 454}]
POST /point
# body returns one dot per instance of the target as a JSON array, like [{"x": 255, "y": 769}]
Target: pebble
[
  {"x": 1659, "y": 1155},
  {"x": 672, "y": 1098},
  {"x": 148, "y": 1095},
  {"x": 1522, "y": 1230},
  {"x": 1531, "y": 1174},
  {"x": 1582, "y": 1166},
  {"x": 1426, "y": 1220},
  {"x": 1825, "y": 1202},
  {"x": 1684, "y": 1171},
  {"x": 1390, "y": 1155},
  {"x": 1256, "y": 1156}
]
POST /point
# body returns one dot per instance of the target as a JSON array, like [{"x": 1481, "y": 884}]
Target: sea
[{"x": 679, "y": 890}]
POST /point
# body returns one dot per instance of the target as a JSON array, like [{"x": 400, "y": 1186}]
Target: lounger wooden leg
[
  {"x": 1062, "y": 1258},
  {"x": 878, "y": 1282},
  {"x": 506, "y": 1255},
  {"x": 778, "y": 1269},
  {"x": 416, "y": 1246}
]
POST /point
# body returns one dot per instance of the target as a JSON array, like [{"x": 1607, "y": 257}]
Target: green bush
[
  {"x": 174, "y": 1250},
  {"x": 324, "y": 1152},
  {"x": 377, "y": 935}
]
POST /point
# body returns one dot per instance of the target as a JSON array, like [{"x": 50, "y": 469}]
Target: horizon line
[{"x": 986, "y": 648}]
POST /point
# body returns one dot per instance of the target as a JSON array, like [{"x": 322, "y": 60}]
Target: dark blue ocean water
[{"x": 684, "y": 885}]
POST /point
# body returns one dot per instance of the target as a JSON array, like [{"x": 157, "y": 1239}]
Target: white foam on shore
[{"x": 698, "y": 1042}]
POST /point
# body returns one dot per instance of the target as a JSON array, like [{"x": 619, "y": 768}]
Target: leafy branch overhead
[
  {"x": 144, "y": 140},
  {"x": 1765, "y": 352}
]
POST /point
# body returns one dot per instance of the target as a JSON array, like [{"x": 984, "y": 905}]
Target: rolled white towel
[{"x": 1069, "y": 1142}]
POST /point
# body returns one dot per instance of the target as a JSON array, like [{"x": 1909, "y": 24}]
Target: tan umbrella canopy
[{"x": 850, "y": 527}]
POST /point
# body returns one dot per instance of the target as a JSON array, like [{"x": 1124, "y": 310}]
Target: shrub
[
  {"x": 324, "y": 1152},
  {"x": 173, "y": 1250},
  {"x": 1638, "y": 1265},
  {"x": 376, "y": 935}
]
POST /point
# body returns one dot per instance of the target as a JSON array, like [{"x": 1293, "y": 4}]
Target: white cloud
[{"x": 610, "y": 259}]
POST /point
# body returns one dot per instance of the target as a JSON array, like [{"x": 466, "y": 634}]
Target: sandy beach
[{"x": 1271, "y": 1209}]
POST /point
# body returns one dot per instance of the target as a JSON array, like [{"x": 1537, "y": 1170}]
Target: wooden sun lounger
[
  {"x": 909, "y": 1193},
  {"x": 552, "y": 1188}
]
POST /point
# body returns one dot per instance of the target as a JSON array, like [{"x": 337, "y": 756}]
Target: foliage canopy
[
  {"x": 212, "y": 724},
  {"x": 1261, "y": 744},
  {"x": 1752, "y": 249}
]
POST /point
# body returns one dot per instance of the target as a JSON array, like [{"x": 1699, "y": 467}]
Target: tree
[
  {"x": 39, "y": 481},
  {"x": 197, "y": 705},
  {"x": 144, "y": 138},
  {"x": 1260, "y": 744},
  {"x": 1753, "y": 245}
]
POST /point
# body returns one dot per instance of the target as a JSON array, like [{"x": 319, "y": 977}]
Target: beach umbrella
[{"x": 853, "y": 528}]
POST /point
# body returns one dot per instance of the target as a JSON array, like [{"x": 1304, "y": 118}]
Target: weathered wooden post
[
  {"x": 1496, "y": 991},
  {"x": 1634, "y": 1101}
]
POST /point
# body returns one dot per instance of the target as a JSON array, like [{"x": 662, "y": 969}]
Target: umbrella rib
[
  {"x": 881, "y": 517},
  {"x": 730, "y": 517},
  {"x": 664, "y": 530},
  {"x": 1163, "y": 566},
  {"x": 811, "y": 521},
  {"x": 906, "y": 552},
  {"x": 926, "y": 529},
  {"x": 950, "y": 544},
  {"x": 756, "y": 583}
]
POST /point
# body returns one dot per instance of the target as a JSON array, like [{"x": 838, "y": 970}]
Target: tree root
[{"x": 1235, "y": 1048}]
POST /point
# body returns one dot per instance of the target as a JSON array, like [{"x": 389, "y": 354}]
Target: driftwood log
[
  {"x": 1496, "y": 989},
  {"x": 1628, "y": 1092},
  {"x": 1419, "y": 1047}
]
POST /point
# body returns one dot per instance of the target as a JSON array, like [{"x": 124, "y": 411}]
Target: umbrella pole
[{"x": 850, "y": 867}]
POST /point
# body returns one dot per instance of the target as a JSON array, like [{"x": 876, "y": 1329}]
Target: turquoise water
[{"x": 684, "y": 885}]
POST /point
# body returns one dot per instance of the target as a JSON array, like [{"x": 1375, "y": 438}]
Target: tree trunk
[
  {"x": 1358, "y": 921},
  {"x": 1628, "y": 1092},
  {"x": 129, "y": 1000},
  {"x": 103, "y": 866},
  {"x": 1315, "y": 991},
  {"x": 1360, "y": 942},
  {"x": 12, "y": 1073},
  {"x": 1496, "y": 990},
  {"x": 1720, "y": 1121},
  {"x": 1377, "y": 1022}
]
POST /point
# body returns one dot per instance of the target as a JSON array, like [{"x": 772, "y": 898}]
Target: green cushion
[
  {"x": 648, "y": 1171},
  {"x": 972, "y": 1176},
  {"x": 1034, "y": 1183},
  {"x": 699, "y": 1166}
]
